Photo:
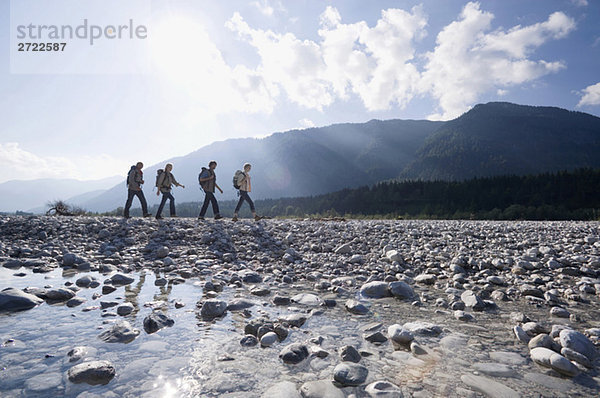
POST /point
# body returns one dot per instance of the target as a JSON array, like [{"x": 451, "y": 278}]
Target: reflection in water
[{"x": 132, "y": 293}]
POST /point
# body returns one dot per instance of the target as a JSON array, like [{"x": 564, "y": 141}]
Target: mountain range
[{"x": 491, "y": 139}]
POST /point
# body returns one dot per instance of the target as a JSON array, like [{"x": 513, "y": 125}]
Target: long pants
[
  {"x": 166, "y": 195},
  {"x": 244, "y": 196},
  {"x": 210, "y": 197},
  {"x": 140, "y": 194}
]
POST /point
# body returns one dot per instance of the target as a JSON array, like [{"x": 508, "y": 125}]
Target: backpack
[
  {"x": 236, "y": 178},
  {"x": 129, "y": 174},
  {"x": 159, "y": 172},
  {"x": 203, "y": 174}
]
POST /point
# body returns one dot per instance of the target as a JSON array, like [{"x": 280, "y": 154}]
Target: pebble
[
  {"x": 93, "y": 373},
  {"x": 294, "y": 353},
  {"x": 350, "y": 374},
  {"x": 156, "y": 321}
]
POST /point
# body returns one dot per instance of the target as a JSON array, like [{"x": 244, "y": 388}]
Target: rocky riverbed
[{"x": 107, "y": 307}]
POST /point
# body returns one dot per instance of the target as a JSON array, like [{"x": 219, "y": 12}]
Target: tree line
[{"x": 566, "y": 195}]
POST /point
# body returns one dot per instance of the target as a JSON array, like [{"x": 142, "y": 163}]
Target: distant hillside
[
  {"x": 294, "y": 163},
  {"x": 503, "y": 139},
  {"x": 27, "y": 195}
]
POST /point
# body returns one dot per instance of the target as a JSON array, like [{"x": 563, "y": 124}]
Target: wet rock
[
  {"x": 356, "y": 307},
  {"x": 401, "y": 290},
  {"x": 108, "y": 304},
  {"x": 161, "y": 282},
  {"x": 249, "y": 341},
  {"x": 12, "y": 299},
  {"x": 489, "y": 387},
  {"x": 283, "y": 389},
  {"x": 350, "y": 374},
  {"x": 107, "y": 289},
  {"x": 77, "y": 353},
  {"x": 578, "y": 342},
  {"x": 59, "y": 294},
  {"x": 213, "y": 308},
  {"x": 94, "y": 373},
  {"x": 75, "y": 301},
  {"x": 120, "y": 332},
  {"x": 349, "y": 354},
  {"x": 308, "y": 299},
  {"x": 383, "y": 389},
  {"x": 295, "y": 320},
  {"x": 548, "y": 358},
  {"x": 12, "y": 264},
  {"x": 250, "y": 277},
  {"x": 85, "y": 281},
  {"x": 280, "y": 300},
  {"x": 239, "y": 305},
  {"x": 294, "y": 353},
  {"x": 125, "y": 309},
  {"x": 156, "y": 321},
  {"x": 120, "y": 280},
  {"x": 375, "y": 290},
  {"x": 268, "y": 339},
  {"x": 321, "y": 389}
]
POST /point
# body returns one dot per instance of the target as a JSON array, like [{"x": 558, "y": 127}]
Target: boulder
[
  {"x": 12, "y": 299},
  {"x": 94, "y": 372}
]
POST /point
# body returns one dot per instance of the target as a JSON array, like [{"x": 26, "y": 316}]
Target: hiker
[
  {"x": 243, "y": 183},
  {"x": 208, "y": 181},
  {"x": 135, "y": 179},
  {"x": 164, "y": 181}
]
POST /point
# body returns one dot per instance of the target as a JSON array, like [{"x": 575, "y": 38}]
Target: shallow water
[{"x": 201, "y": 358}]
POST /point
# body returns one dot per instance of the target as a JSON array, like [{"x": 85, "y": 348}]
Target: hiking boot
[
  {"x": 218, "y": 217},
  {"x": 201, "y": 218},
  {"x": 159, "y": 218},
  {"x": 126, "y": 217},
  {"x": 234, "y": 218},
  {"x": 257, "y": 218},
  {"x": 173, "y": 216},
  {"x": 146, "y": 215}
]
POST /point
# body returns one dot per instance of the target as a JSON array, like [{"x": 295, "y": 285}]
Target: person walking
[
  {"x": 164, "y": 182},
  {"x": 245, "y": 184},
  {"x": 208, "y": 182},
  {"x": 135, "y": 179}
]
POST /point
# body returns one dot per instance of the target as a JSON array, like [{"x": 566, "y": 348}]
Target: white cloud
[
  {"x": 306, "y": 123},
  {"x": 18, "y": 163},
  {"x": 580, "y": 3},
  {"x": 500, "y": 92},
  {"x": 378, "y": 64},
  {"x": 373, "y": 63},
  {"x": 590, "y": 95},
  {"x": 265, "y": 7},
  {"x": 467, "y": 61}
]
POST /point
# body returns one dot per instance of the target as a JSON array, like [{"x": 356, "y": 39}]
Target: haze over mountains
[
  {"x": 32, "y": 195},
  {"x": 491, "y": 139}
]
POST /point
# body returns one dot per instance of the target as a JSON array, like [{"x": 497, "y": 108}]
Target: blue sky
[{"x": 224, "y": 69}]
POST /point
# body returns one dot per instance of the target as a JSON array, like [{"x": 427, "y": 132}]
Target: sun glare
[{"x": 181, "y": 48}]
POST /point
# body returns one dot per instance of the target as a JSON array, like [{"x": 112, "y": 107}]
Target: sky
[{"x": 214, "y": 70}]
